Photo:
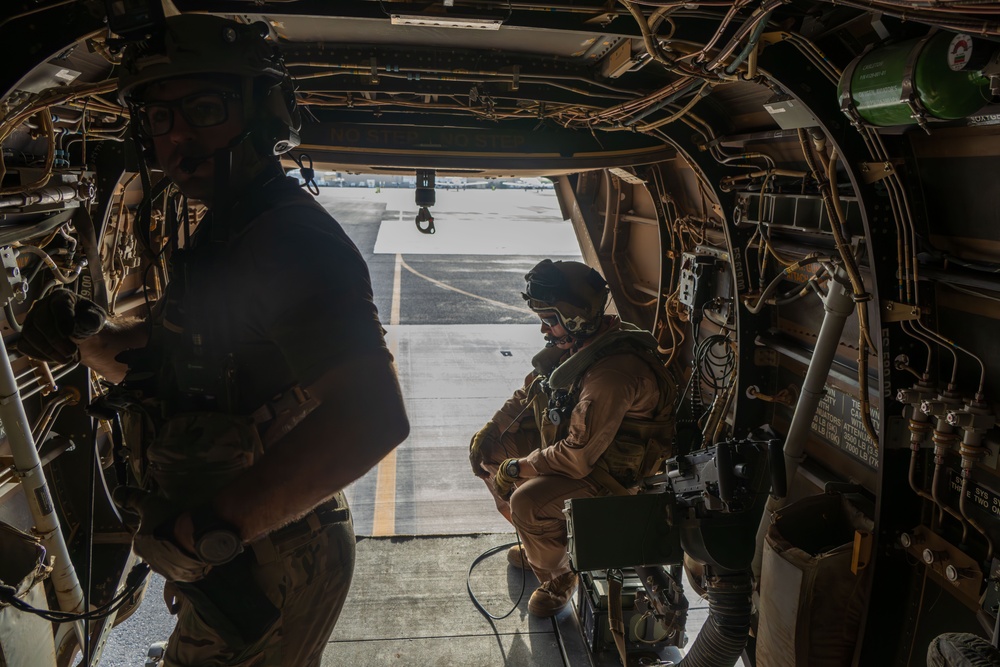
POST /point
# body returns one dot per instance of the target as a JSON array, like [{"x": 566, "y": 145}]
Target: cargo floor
[{"x": 409, "y": 607}]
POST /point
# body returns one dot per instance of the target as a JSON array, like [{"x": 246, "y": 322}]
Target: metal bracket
[
  {"x": 893, "y": 311},
  {"x": 875, "y": 171},
  {"x": 908, "y": 94},
  {"x": 12, "y": 286}
]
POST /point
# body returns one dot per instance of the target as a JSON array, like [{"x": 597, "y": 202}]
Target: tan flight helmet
[
  {"x": 193, "y": 45},
  {"x": 575, "y": 292}
]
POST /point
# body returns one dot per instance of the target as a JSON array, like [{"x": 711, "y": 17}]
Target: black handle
[
  {"x": 776, "y": 462},
  {"x": 727, "y": 476}
]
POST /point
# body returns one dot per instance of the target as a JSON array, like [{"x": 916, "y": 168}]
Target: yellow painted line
[
  {"x": 384, "y": 520},
  {"x": 397, "y": 280},
  {"x": 446, "y": 286}
]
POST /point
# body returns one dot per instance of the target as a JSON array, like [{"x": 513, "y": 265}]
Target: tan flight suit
[{"x": 618, "y": 386}]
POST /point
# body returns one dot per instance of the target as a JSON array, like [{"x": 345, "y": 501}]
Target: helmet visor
[{"x": 549, "y": 320}]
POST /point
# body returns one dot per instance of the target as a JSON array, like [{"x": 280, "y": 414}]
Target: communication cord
[{"x": 479, "y": 559}]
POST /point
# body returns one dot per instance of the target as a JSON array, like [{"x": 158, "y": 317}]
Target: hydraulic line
[
  {"x": 939, "y": 18},
  {"x": 649, "y": 40},
  {"x": 53, "y": 194},
  {"x": 751, "y": 45},
  {"x": 56, "y": 271},
  {"x": 608, "y": 230},
  {"x": 68, "y": 396},
  {"x": 920, "y": 426},
  {"x": 706, "y": 87},
  {"x": 773, "y": 286},
  {"x": 975, "y": 419},
  {"x": 692, "y": 84},
  {"x": 831, "y": 202},
  {"x": 753, "y": 26}
]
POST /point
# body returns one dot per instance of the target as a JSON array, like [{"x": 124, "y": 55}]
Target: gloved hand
[
  {"x": 154, "y": 541},
  {"x": 503, "y": 484},
  {"x": 54, "y": 321},
  {"x": 486, "y": 436}
]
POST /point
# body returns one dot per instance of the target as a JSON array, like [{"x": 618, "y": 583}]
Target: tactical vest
[
  {"x": 641, "y": 445},
  {"x": 190, "y": 435}
]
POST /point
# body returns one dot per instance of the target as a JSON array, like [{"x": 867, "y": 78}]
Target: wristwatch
[
  {"x": 215, "y": 541},
  {"x": 513, "y": 469}
]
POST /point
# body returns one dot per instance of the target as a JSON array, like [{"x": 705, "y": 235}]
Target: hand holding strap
[{"x": 55, "y": 322}]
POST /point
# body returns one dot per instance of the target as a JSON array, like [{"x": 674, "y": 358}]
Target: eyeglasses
[
  {"x": 204, "y": 109},
  {"x": 550, "y": 320}
]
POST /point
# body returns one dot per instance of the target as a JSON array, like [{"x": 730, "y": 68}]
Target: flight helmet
[
  {"x": 575, "y": 292},
  {"x": 193, "y": 45}
]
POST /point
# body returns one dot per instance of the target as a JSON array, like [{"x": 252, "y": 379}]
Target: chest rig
[
  {"x": 640, "y": 445},
  {"x": 188, "y": 364},
  {"x": 190, "y": 431}
]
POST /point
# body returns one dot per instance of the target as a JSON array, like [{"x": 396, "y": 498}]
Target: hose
[
  {"x": 722, "y": 639},
  {"x": 751, "y": 43}
]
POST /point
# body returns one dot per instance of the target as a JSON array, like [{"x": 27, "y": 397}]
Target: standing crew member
[
  {"x": 593, "y": 418},
  {"x": 260, "y": 385}
]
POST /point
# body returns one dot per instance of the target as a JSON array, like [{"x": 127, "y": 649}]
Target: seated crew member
[
  {"x": 593, "y": 418},
  {"x": 261, "y": 381}
]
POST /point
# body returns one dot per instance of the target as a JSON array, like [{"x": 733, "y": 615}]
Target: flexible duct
[
  {"x": 837, "y": 306},
  {"x": 722, "y": 639}
]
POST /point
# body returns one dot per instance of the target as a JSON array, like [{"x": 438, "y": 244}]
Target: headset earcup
[{"x": 278, "y": 121}]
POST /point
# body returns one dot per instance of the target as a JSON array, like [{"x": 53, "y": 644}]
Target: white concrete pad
[
  {"x": 468, "y": 222},
  {"x": 454, "y": 377}
]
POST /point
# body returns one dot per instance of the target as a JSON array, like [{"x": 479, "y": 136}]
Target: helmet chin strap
[
  {"x": 552, "y": 341},
  {"x": 223, "y": 176}
]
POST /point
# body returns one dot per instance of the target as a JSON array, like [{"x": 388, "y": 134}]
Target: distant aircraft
[
  {"x": 459, "y": 183},
  {"x": 530, "y": 184}
]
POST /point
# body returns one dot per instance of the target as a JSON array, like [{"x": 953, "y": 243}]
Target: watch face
[
  {"x": 514, "y": 469},
  {"x": 218, "y": 546}
]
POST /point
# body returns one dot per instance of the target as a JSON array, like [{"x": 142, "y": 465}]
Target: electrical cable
[
  {"x": 133, "y": 582},
  {"x": 480, "y": 558}
]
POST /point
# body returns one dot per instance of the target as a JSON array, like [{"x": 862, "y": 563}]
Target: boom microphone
[{"x": 190, "y": 163}]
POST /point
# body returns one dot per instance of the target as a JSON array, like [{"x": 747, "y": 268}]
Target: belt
[{"x": 269, "y": 548}]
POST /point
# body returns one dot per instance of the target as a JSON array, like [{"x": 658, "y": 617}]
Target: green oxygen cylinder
[{"x": 937, "y": 76}]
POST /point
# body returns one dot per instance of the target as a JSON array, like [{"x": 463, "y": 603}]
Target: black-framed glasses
[{"x": 204, "y": 109}]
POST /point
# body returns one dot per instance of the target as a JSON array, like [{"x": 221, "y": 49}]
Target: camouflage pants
[{"x": 308, "y": 582}]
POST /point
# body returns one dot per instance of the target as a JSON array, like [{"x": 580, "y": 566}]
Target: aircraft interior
[{"x": 795, "y": 197}]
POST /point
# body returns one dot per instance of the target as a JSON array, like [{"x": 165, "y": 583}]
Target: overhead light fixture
[{"x": 432, "y": 21}]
